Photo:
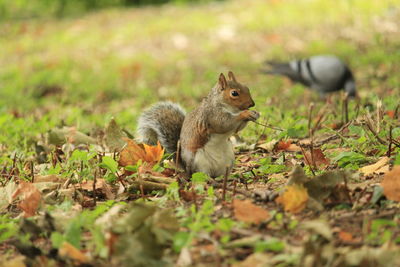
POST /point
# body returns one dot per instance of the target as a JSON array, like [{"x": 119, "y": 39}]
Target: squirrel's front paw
[
  {"x": 254, "y": 115},
  {"x": 250, "y": 115}
]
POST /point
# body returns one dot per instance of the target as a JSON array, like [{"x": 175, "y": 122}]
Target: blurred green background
[{"x": 79, "y": 63}]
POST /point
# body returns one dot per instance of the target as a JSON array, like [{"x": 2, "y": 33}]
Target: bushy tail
[{"x": 161, "y": 122}]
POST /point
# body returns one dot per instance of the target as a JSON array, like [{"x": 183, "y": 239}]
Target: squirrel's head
[{"x": 234, "y": 93}]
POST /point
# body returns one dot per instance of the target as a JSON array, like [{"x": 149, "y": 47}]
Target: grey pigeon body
[{"x": 322, "y": 73}]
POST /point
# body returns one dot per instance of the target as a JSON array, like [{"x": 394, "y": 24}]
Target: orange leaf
[
  {"x": 246, "y": 211},
  {"x": 287, "y": 146},
  {"x": 346, "y": 236},
  {"x": 30, "y": 198},
  {"x": 391, "y": 184},
  {"x": 153, "y": 153},
  {"x": 390, "y": 113},
  {"x": 294, "y": 199},
  {"x": 134, "y": 152},
  {"x": 283, "y": 145},
  {"x": 69, "y": 251}
]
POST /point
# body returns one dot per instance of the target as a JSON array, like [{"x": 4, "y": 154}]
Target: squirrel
[{"x": 203, "y": 133}]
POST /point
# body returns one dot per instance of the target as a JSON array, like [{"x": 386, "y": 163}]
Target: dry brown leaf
[
  {"x": 294, "y": 199},
  {"x": 69, "y": 251},
  {"x": 49, "y": 178},
  {"x": 100, "y": 184},
  {"x": 317, "y": 158},
  {"x": 391, "y": 184},
  {"x": 346, "y": 236},
  {"x": 17, "y": 261},
  {"x": 246, "y": 211},
  {"x": 30, "y": 198},
  {"x": 134, "y": 152},
  {"x": 268, "y": 146},
  {"x": 381, "y": 166},
  {"x": 287, "y": 146}
]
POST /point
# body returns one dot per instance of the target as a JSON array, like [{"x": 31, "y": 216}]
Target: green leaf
[
  {"x": 199, "y": 177},
  {"x": 272, "y": 244},
  {"x": 397, "y": 159},
  {"x": 109, "y": 163},
  {"x": 56, "y": 239},
  {"x": 73, "y": 233},
  {"x": 181, "y": 240}
]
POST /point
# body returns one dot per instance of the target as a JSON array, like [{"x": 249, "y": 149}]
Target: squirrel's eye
[{"x": 234, "y": 93}]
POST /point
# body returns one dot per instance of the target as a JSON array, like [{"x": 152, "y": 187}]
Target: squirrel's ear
[
  {"x": 231, "y": 76},
  {"x": 222, "y": 81}
]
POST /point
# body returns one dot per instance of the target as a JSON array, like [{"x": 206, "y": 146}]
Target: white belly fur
[{"x": 215, "y": 156}]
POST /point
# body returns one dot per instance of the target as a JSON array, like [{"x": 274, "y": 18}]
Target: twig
[
  {"x": 178, "y": 152},
  {"x": 145, "y": 186},
  {"x": 306, "y": 159},
  {"x": 94, "y": 187},
  {"x": 234, "y": 188},
  {"x": 310, "y": 131},
  {"x": 268, "y": 126},
  {"x": 32, "y": 173},
  {"x": 369, "y": 125},
  {"x": 396, "y": 111},
  {"x": 378, "y": 115},
  {"x": 309, "y": 115},
  {"x": 389, "y": 152},
  {"x": 346, "y": 107},
  {"x": 262, "y": 133},
  {"x": 225, "y": 182}
]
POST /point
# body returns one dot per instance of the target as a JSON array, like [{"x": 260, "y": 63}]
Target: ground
[{"x": 72, "y": 87}]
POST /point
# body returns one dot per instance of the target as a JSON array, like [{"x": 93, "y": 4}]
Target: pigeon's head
[{"x": 234, "y": 93}]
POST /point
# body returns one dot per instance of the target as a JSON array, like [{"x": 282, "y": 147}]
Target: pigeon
[{"x": 322, "y": 73}]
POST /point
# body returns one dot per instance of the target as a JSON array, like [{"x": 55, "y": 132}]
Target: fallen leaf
[
  {"x": 6, "y": 194},
  {"x": 390, "y": 113},
  {"x": 391, "y": 184},
  {"x": 269, "y": 146},
  {"x": 346, "y": 236},
  {"x": 69, "y": 135},
  {"x": 320, "y": 227},
  {"x": 246, "y": 211},
  {"x": 17, "y": 261},
  {"x": 49, "y": 178},
  {"x": 380, "y": 166},
  {"x": 30, "y": 198},
  {"x": 294, "y": 199},
  {"x": 114, "y": 137},
  {"x": 287, "y": 146},
  {"x": 317, "y": 158},
  {"x": 101, "y": 184},
  {"x": 255, "y": 260},
  {"x": 69, "y": 251},
  {"x": 134, "y": 152}
]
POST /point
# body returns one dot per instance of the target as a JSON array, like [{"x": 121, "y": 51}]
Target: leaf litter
[{"x": 361, "y": 217}]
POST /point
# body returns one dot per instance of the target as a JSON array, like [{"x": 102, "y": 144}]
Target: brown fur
[{"x": 219, "y": 113}]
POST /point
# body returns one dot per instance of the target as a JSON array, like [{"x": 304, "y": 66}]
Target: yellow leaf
[{"x": 294, "y": 199}]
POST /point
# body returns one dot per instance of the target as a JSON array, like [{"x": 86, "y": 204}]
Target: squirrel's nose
[{"x": 252, "y": 104}]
